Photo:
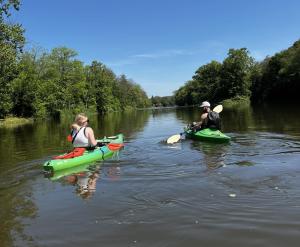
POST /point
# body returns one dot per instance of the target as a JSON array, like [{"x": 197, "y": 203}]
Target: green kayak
[
  {"x": 114, "y": 143},
  {"x": 68, "y": 171},
  {"x": 207, "y": 135}
]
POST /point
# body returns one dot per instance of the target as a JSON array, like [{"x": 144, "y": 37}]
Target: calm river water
[{"x": 245, "y": 193}]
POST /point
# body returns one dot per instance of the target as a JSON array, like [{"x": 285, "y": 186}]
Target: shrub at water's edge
[
  {"x": 14, "y": 121},
  {"x": 236, "y": 102}
]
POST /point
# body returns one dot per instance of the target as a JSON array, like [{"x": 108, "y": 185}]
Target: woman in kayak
[
  {"x": 209, "y": 119},
  {"x": 82, "y": 134}
]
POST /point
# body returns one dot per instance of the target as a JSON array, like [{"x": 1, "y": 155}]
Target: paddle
[{"x": 176, "y": 138}]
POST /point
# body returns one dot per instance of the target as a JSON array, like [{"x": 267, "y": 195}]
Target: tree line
[
  {"x": 38, "y": 83},
  {"x": 162, "y": 101},
  {"x": 50, "y": 82},
  {"x": 239, "y": 76}
]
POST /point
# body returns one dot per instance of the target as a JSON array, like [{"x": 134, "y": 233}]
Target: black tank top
[{"x": 212, "y": 121}]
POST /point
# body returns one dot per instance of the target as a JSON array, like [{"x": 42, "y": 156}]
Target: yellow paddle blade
[
  {"x": 218, "y": 108},
  {"x": 173, "y": 139}
]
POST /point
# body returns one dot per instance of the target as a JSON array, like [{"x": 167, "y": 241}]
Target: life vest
[{"x": 212, "y": 121}]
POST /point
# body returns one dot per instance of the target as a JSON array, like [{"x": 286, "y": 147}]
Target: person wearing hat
[{"x": 209, "y": 118}]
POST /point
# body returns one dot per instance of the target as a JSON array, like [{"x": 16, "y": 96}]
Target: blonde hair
[
  {"x": 79, "y": 118},
  {"x": 75, "y": 126}
]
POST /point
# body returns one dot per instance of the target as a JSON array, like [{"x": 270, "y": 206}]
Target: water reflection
[
  {"x": 128, "y": 123},
  {"x": 158, "y": 186},
  {"x": 23, "y": 150},
  {"x": 86, "y": 177},
  {"x": 44, "y": 138},
  {"x": 85, "y": 181},
  {"x": 16, "y": 203},
  {"x": 239, "y": 118},
  {"x": 276, "y": 118},
  {"x": 214, "y": 154}
]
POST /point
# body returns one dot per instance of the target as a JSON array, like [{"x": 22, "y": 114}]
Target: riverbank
[{"x": 14, "y": 121}]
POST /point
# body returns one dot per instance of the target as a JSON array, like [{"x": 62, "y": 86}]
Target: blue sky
[{"x": 160, "y": 43}]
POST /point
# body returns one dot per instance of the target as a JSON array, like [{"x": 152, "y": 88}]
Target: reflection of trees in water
[
  {"x": 35, "y": 140},
  {"x": 16, "y": 204},
  {"x": 213, "y": 153},
  {"x": 277, "y": 117},
  {"x": 188, "y": 114},
  {"x": 157, "y": 112},
  {"x": 128, "y": 122},
  {"x": 237, "y": 118}
]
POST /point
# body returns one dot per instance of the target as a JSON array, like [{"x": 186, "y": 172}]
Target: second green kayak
[{"x": 207, "y": 135}]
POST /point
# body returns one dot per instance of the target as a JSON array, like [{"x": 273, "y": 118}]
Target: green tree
[
  {"x": 11, "y": 44},
  {"x": 162, "y": 101},
  {"x": 24, "y": 87},
  {"x": 278, "y": 76},
  {"x": 130, "y": 94},
  {"x": 208, "y": 78},
  {"x": 236, "y": 74},
  {"x": 102, "y": 82},
  {"x": 64, "y": 74}
]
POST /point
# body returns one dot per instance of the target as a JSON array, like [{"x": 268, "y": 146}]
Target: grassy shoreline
[{"x": 14, "y": 121}]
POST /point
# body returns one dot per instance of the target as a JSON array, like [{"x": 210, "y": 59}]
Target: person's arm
[
  {"x": 91, "y": 137},
  {"x": 203, "y": 117}
]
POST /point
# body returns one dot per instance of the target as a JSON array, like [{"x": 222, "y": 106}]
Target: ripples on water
[{"x": 244, "y": 193}]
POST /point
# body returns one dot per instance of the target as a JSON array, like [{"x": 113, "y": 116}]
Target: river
[{"x": 245, "y": 193}]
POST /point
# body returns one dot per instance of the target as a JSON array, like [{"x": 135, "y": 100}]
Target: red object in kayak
[
  {"x": 69, "y": 138},
  {"x": 115, "y": 146},
  {"x": 75, "y": 153}
]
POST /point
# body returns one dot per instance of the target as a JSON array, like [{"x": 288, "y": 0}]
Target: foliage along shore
[
  {"x": 39, "y": 84},
  {"x": 239, "y": 79}
]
